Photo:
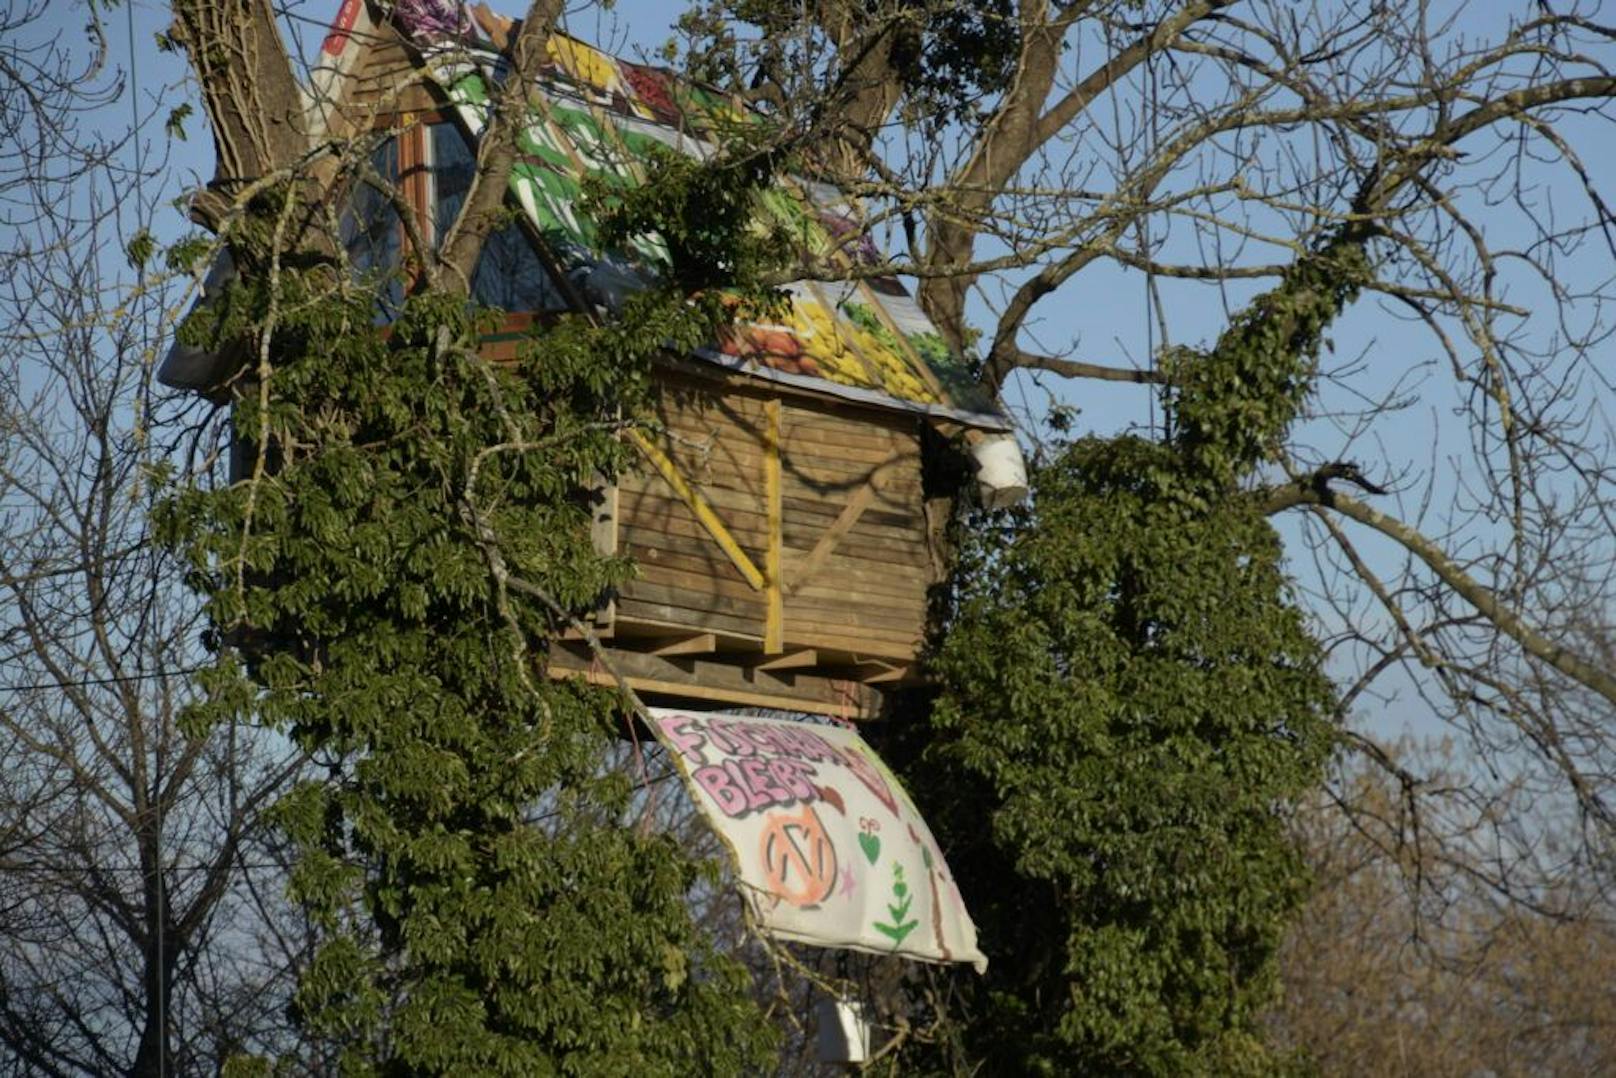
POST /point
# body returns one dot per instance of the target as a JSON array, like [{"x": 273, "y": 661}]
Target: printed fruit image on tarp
[
  {"x": 595, "y": 116},
  {"x": 828, "y": 847}
]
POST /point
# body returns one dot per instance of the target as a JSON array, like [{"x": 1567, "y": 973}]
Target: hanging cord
[
  {"x": 648, "y": 812},
  {"x": 847, "y": 695}
]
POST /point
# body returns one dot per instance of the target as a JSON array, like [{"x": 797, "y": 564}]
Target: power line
[{"x": 94, "y": 681}]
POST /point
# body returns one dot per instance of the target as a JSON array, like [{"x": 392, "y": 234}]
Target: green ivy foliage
[
  {"x": 1234, "y": 403},
  {"x": 1130, "y": 699},
  {"x": 384, "y": 586}
]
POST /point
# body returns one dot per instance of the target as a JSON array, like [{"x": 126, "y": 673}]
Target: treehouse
[{"x": 780, "y": 520}]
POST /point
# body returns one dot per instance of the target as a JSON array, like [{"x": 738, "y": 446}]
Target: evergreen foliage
[
  {"x": 947, "y": 58},
  {"x": 389, "y": 581},
  {"x": 1130, "y": 700}
]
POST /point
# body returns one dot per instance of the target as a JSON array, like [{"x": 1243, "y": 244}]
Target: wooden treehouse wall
[
  {"x": 780, "y": 541},
  {"x": 781, "y": 549}
]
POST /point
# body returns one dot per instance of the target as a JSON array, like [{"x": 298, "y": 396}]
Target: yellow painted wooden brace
[
  {"x": 849, "y": 516},
  {"x": 698, "y": 505},
  {"x": 774, "y": 636}
]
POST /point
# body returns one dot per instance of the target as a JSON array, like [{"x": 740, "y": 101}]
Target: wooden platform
[{"x": 665, "y": 664}]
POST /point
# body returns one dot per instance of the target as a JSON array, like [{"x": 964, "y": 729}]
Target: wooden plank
[
  {"x": 653, "y": 509},
  {"x": 711, "y": 433},
  {"x": 827, "y": 445},
  {"x": 747, "y": 520},
  {"x": 700, "y": 508},
  {"x": 880, "y": 514},
  {"x": 880, "y": 673},
  {"x": 839, "y": 636},
  {"x": 412, "y": 185},
  {"x": 872, "y": 424},
  {"x": 711, "y": 429},
  {"x": 907, "y": 598},
  {"x": 698, "y": 644},
  {"x": 878, "y": 584},
  {"x": 825, "y": 633},
  {"x": 728, "y": 410},
  {"x": 645, "y": 622},
  {"x": 722, "y": 421},
  {"x": 698, "y": 597},
  {"x": 804, "y": 491},
  {"x": 902, "y": 606},
  {"x": 796, "y": 659},
  {"x": 774, "y": 620},
  {"x": 852, "y": 438},
  {"x": 664, "y": 572},
  {"x": 723, "y": 683},
  {"x": 634, "y": 608},
  {"x": 859, "y": 435},
  {"x": 649, "y": 548},
  {"x": 807, "y": 480},
  {"x": 851, "y": 614},
  {"x": 804, "y": 476},
  {"x": 802, "y": 511},
  {"x": 803, "y": 570},
  {"x": 907, "y": 555},
  {"x": 844, "y": 581}
]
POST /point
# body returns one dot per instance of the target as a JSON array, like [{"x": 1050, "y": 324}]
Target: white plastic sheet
[{"x": 828, "y": 847}]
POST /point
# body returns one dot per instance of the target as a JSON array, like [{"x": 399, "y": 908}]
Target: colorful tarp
[
  {"x": 828, "y": 846},
  {"x": 594, "y": 115}
]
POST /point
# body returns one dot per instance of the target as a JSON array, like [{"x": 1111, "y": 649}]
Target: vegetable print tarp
[
  {"x": 828, "y": 846},
  {"x": 595, "y": 115}
]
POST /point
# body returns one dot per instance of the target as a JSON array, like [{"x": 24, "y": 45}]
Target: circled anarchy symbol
[{"x": 799, "y": 862}]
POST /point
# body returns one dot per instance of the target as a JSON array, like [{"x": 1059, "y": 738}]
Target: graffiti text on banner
[{"x": 829, "y": 847}]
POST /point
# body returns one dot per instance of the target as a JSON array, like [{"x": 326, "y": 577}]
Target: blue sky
[{"x": 1422, "y": 449}]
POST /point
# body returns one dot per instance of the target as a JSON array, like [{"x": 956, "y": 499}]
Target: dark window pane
[
  {"x": 452, "y": 167},
  {"x": 371, "y": 232},
  {"x": 509, "y": 274}
]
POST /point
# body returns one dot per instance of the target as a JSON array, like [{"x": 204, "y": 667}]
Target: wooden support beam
[
  {"x": 698, "y": 505},
  {"x": 603, "y": 515},
  {"x": 877, "y": 672},
  {"x": 796, "y": 659},
  {"x": 697, "y": 644},
  {"x": 774, "y": 633},
  {"x": 849, "y": 516},
  {"x": 710, "y": 682}
]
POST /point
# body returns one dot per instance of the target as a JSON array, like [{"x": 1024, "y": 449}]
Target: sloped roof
[
  {"x": 594, "y": 114},
  {"x": 598, "y": 115}
]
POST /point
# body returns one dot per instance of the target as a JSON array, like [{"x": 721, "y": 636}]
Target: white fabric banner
[{"x": 828, "y": 846}]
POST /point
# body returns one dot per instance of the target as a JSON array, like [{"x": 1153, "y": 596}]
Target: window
[
  {"x": 509, "y": 273},
  {"x": 372, "y": 232}
]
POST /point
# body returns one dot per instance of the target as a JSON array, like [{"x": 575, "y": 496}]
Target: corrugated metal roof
[{"x": 596, "y": 115}]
